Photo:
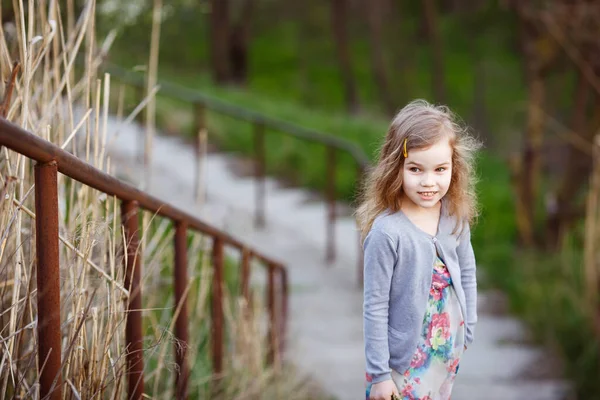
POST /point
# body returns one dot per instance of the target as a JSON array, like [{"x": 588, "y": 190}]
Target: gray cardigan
[{"x": 398, "y": 266}]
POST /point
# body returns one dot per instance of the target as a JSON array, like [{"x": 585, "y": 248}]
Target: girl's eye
[
  {"x": 441, "y": 169},
  {"x": 414, "y": 169}
]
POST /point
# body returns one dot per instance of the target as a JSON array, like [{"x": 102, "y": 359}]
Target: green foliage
[{"x": 292, "y": 59}]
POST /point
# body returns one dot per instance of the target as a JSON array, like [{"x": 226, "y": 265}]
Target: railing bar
[
  {"x": 272, "y": 346},
  {"x": 38, "y": 149},
  {"x": 284, "y": 312},
  {"x": 245, "y": 284},
  {"x": 193, "y": 96},
  {"x": 48, "y": 154},
  {"x": 133, "y": 328},
  {"x": 48, "y": 280},
  {"x": 181, "y": 323},
  {"x": 217, "y": 307}
]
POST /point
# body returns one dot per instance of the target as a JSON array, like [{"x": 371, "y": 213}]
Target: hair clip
[{"x": 405, "y": 152}]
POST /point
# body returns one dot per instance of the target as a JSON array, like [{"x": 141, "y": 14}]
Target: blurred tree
[
  {"x": 577, "y": 167},
  {"x": 239, "y": 40},
  {"x": 575, "y": 26},
  {"x": 548, "y": 30},
  {"x": 229, "y": 41},
  {"x": 374, "y": 10},
  {"x": 528, "y": 171},
  {"x": 219, "y": 40},
  {"x": 437, "y": 49},
  {"x": 339, "y": 16}
]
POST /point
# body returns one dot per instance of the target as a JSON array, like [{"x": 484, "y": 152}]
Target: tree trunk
[
  {"x": 435, "y": 42},
  {"x": 531, "y": 154},
  {"x": 239, "y": 40},
  {"x": 339, "y": 17},
  {"x": 374, "y": 17},
  {"x": 577, "y": 169},
  {"x": 305, "y": 33},
  {"x": 532, "y": 140},
  {"x": 219, "y": 40}
]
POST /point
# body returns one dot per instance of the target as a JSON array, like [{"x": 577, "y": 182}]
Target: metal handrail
[
  {"x": 50, "y": 160},
  {"x": 193, "y": 96},
  {"x": 202, "y": 101}
]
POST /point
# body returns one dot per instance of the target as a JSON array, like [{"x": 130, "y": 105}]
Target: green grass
[{"x": 300, "y": 162}]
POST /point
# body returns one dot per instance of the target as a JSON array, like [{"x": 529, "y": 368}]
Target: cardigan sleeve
[
  {"x": 380, "y": 256},
  {"x": 468, "y": 276}
]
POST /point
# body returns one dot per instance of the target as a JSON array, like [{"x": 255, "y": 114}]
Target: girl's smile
[{"x": 427, "y": 195}]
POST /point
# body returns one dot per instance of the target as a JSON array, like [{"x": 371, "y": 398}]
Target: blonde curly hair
[{"x": 422, "y": 125}]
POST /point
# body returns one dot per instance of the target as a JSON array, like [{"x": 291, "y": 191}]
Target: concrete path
[{"x": 326, "y": 307}]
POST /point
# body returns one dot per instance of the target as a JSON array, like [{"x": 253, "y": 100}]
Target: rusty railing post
[
  {"x": 245, "y": 284},
  {"x": 284, "y": 309},
  {"x": 259, "y": 173},
  {"x": 181, "y": 323},
  {"x": 217, "y": 307},
  {"x": 133, "y": 329},
  {"x": 330, "y": 194},
  {"x": 48, "y": 280},
  {"x": 273, "y": 346}
]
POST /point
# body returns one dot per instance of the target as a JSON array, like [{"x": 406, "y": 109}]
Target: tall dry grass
[{"x": 46, "y": 41}]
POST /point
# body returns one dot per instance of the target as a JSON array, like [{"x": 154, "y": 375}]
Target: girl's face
[{"x": 427, "y": 173}]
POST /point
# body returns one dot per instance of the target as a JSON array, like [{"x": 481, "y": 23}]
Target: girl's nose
[{"x": 427, "y": 181}]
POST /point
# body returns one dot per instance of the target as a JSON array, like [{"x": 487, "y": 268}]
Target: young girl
[{"x": 420, "y": 289}]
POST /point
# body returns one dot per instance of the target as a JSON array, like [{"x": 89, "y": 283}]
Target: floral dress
[{"x": 434, "y": 365}]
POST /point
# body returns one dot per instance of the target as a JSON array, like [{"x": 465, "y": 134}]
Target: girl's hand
[{"x": 384, "y": 390}]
